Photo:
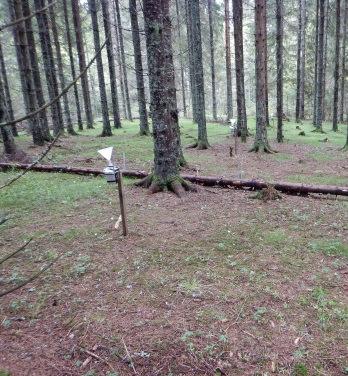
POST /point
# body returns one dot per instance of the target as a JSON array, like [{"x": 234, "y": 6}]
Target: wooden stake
[{"x": 122, "y": 203}]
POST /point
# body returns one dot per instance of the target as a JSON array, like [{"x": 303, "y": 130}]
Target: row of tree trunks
[
  {"x": 69, "y": 124},
  {"x": 292, "y": 188},
  {"x": 212, "y": 59},
  {"x": 111, "y": 61},
  {"x": 82, "y": 61},
  {"x": 123, "y": 59},
  {"x": 337, "y": 67},
  {"x": 344, "y": 73},
  {"x": 100, "y": 70},
  {"x": 72, "y": 65},
  {"x": 139, "y": 73},
  {"x": 25, "y": 70}
]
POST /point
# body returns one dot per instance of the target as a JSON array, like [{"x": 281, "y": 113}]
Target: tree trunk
[
  {"x": 280, "y": 34},
  {"x": 82, "y": 62},
  {"x": 163, "y": 98},
  {"x": 202, "y": 142},
  {"x": 106, "y": 132},
  {"x": 316, "y": 63},
  {"x": 228, "y": 62},
  {"x": 303, "y": 58},
  {"x": 212, "y": 59},
  {"x": 193, "y": 88},
  {"x": 319, "y": 105},
  {"x": 144, "y": 126},
  {"x": 7, "y": 94},
  {"x": 72, "y": 66},
  {"x": 6, "y": 132},
  {"x": 337, "y": 67},
  {"x": 299, "y": 59},
  {"x": 123, "y": 60},
  {"x": 261, "y": 140},
  {"x": 49, "y": 64},
  {"x": 239, "y": 62},
  {"x": 26, "y": 74},
  {"x": 326, "y": 32},
  {"x": 42, "y": 116},
  {"x": 69, "y": 124},
  {"x": 111, "y": 61},
  {"x": 182, "y": 72},
  {"x": 344, "y": 73}
]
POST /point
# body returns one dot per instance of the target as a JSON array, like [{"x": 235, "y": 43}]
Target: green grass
[{"x": 318, "y": 179}]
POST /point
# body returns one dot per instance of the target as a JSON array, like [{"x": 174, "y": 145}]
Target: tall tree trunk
[
  {"x": 319, "y": 105},
  {"x": 182, "y": 72},
  {"x": 26, "y": 74},
  {"x": 344, "y": 73},
  {"x": 202, "y": 142},
  {"x": 212, "y": 58},
  {"x": 69, "y": 124},
  {"x": 337, "y": 67},
  {"x": 299, "y": 59},
  {"x": 163, "y": 97},
  {"x": 261, "y": 140},
  {"x": 106, "y": 132},
  {"x": 193, "y": 88},
  {"x": 144, "y": 126},
  {"x": 303, "y": 58},
  {"x": 42, "y": 116},
  {"x": 6, "y": 132},
  {"x": 316, "y": 63},
  {"x": 82, "y": 62},
  {"x": 280, "y": 35},
  {"x": 111, "y": 61},
  {"x": 49, "y": 64},
  {"x": 239, "y": 59},
  {"x": 72, "y": 65},
  {"x": 326, "y": 32},
  {"x": 266, "y": 73},
  {"x": 228, "y": 62},
  {"x": 7, "y": 94},
  {"x": 123, "y": 60}
]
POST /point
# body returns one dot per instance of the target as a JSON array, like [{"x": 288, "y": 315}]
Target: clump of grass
[
  {"x": 330, "y": 247},
  {"x": 300, "y": 370}
]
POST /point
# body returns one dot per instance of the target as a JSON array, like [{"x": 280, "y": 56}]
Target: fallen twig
[
  {"x": 93, "y": 355},
  {"x": 15, "y": 252},
  {"x": 129, "y": 356}
]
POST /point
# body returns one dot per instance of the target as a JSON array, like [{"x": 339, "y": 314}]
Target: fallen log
[{"x": 291, "y": 188}]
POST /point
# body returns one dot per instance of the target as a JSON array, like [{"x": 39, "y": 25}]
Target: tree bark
[
  {"x": 6, "y": 132},
  {"x": 319, "y": 101},
  {"x": 7, "y": 94},
  {"x": 123, "y": 60},
  {"x": 144, "y": 126},
  {"x": 239, "y": 62},
  {"x": 202, "y": 141},
  {"x": 35, "y": 71},
  {"x": 303, "y": 58},
  {"x": 316, "y": 63},
  {"x": 163, "y": 98},
  {"x": 69, "y": 124},
  {"x": 72, "y": 65},
  {"x": 280, "y": 35},
  {"x": 299, "y": 59},
  {"x": 106, "y": 132},
  {"x": 26, "y": 74},
  {"x": 212, "y": 58},
  {"x": 229, "y": 98},
  {"x": 49, "y": 64},
  {"x": 111, "y": 63},
  {"x": 82, "y": 62},
  {"x": 344, "y": 73},
  {"x": 182, "y": 71},
  {"x": 326, "y": 32},
  {"x": 193, "y": 88},
  {"x": 337, "y": 67},
  {"x": 261, "y": 140}
]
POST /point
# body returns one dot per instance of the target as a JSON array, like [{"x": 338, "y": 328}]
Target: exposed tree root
[
  {"x": 175, "y": 184},
  {"x": 262, "y": 147},
  {"x": 318, "y": 130},
  {"x": 267, "y": 194},
  {"x": 106, "y": 134},
  {"x": 144, "y": 133},
  {"x": 199, "y": 145}
]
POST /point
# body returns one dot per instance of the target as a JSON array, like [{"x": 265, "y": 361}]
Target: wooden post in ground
[{"x": 122, "y": 203}]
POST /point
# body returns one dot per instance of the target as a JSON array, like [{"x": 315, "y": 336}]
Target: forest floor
[{"x": 216, "y": 283}]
